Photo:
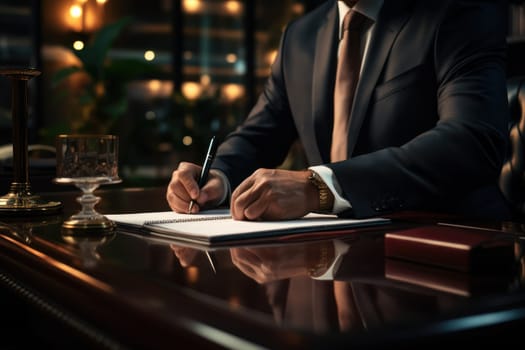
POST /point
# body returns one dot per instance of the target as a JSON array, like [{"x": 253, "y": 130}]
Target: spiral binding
[{"x": 190, "y": 219}]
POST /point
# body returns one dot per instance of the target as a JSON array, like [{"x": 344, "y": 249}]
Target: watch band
[{"x": 322, "y": 188}]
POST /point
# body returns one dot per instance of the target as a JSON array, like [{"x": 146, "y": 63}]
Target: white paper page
[
  {"x": 228, "y": 228},
  {"x": 139, "y": 219}
]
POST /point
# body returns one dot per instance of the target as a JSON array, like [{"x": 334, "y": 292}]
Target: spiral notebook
[{"x": 217, "y": 226}]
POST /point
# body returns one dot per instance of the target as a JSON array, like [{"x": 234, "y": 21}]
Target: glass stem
[{"x": 88, "y": 202}]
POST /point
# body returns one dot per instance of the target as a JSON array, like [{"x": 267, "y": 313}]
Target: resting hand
[
  {"x": 183, "y": 188},
  {"x": 267, "y": 264},
  {"x": 273, "y": 194},
  {"x": 270, "y": 264}
]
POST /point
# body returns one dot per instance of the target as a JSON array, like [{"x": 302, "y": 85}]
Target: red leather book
[{"x": 457, "y": 248}]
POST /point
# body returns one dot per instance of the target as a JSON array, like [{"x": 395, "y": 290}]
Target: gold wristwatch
[{"x": 322, "y": 188}]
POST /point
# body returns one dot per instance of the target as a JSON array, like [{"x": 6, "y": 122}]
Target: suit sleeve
[{"x": 265, "y": 137}]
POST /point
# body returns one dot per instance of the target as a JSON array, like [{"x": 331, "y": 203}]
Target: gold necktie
[{"x": 348, "y": 66}]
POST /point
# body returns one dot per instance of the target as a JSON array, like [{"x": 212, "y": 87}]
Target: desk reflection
[
  {"x": 280, "y": 293},
  {"x": 87, "y": 247},
  {"x": 22, "y": 230},
  {"x": 350, "y": 295}
]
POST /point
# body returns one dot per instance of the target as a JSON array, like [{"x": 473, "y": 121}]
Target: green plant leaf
[
  {"x": 62, "y": 74},
  {"x": 128, "y": 69},
  {"x": 94, "y": 54}
]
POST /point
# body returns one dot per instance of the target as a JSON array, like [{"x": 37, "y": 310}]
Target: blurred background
[{"x": 163, "y": 75}]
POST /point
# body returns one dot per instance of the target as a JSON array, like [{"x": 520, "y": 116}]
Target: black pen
[{"x": 203, "y": 178}]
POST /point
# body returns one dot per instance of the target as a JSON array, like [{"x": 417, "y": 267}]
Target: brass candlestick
[{"x": 20, "y": 200}]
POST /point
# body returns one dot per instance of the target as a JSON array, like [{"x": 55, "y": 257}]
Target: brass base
[
  {"x": 24, "y": 203},
  {"x": 98, "y": 225}
]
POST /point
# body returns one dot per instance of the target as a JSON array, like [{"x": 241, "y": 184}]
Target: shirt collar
[{"x": 369, "y": 8}]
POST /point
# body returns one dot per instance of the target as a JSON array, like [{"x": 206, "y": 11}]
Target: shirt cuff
[
  {"x": 340, "y": 249},
  {"x": 327, "y": 175}
]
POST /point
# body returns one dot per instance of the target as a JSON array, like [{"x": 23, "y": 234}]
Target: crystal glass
[{"x": 87, "y": 161}]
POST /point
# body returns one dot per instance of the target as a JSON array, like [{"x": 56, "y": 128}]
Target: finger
[
  {"x": 177, "y": 203},
  {"x": 249, "y": 191},
  {"x": 243, "y": 187},
  {"x": 187, "y": 175},
  {"x": 177, "y": 194},
  {"x": 236, "y": 206},
  {"x": 239, "y": 204},
  {"x": 174, "y": 195},
  {"x": 182, "y": 186},
  {"x": 259, "y": 205},
  {"x": 256, "y": 200}
]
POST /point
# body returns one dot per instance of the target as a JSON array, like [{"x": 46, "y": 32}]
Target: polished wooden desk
[{"x": 126, "y": 290}]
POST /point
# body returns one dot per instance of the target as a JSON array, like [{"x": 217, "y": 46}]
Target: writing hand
[
  {"x": 183, "y": 188},
  {"x": 274, "y": 194}
]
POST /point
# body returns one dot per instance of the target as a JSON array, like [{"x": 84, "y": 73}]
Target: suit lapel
[
  {"x": 391, "y": 19},
  {"x": 323, "y": 84}
]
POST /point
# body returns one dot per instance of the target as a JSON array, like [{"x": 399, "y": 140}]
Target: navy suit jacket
[{"x": 429, "y": 123}]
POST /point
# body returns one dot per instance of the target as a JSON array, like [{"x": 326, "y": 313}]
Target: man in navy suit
[{"x": 428, "y": 126}]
